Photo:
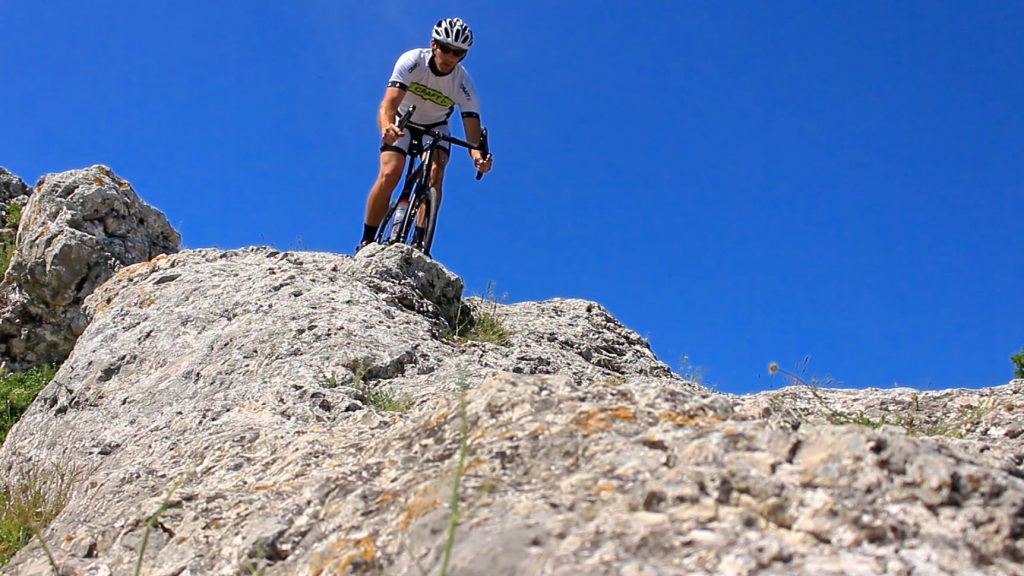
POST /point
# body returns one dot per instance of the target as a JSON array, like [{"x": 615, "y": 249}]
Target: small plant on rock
[
  {"x": 384, "y": 399},
  {"x": 488, "y": 328},
  {"x": 6, "y": 254},
  {"x": 966, "y": 418},
  {"x": 381, "y": 398},
  {"x": 613, "y": 380},
  {"x": 485, "y": 325},
  {"x": 13, "y": 216},
  {"x": 454, "y": 514},
  {"x": 30, "y": 503},
  {"x": 835, "y": 416},
  {"x": 328, "y": 379},
  {"x": 689, "y": 371},
  {"x": 952, "y": 427},
  {"x": 154, "y": 520},
  {"x": 17, "y": 391},
  {"x": 1018, "y": 363}
]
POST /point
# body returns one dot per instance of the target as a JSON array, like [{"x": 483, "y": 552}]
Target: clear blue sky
[{"x": 739, "y": 182}]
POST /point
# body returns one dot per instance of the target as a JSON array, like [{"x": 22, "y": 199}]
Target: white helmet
[{"x": 453, "y": 32}]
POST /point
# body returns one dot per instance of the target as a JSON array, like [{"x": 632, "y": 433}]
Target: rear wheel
[{"x": 384, "y": 230}]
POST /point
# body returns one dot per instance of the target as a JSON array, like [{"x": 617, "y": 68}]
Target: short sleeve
[
  {"x": 404, "y": 68},
  {"x": 467, "y": 98}
]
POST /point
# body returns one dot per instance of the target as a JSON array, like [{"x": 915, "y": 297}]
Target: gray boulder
[
  {"x": 11, "y": 186},
  {"x": 79, "y": 228},
  {"x": 244, "y": 395}
]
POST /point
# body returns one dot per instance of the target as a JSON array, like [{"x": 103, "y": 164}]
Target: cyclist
[{"x": 434, "y": 80}]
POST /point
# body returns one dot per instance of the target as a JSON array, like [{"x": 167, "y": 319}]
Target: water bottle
[{"x": 396, "y": 224}]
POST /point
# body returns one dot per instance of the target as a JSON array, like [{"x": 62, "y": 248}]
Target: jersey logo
[
  {"x": 414, "y": 66},
  {"x": 430, "y": 95},
  {"x": 462, "y": 86}
]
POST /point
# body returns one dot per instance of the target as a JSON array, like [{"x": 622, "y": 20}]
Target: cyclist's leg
[
  {"x": 436, "y": 179},
  {"x": 392, "y": 162},
  {"x": 436, "y": 176},
  {"x": 437, "y": 171}
]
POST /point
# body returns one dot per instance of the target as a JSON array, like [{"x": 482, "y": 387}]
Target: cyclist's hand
[
  {"x": 483, "y": 163},
  {"x": 391, "y": 134}
]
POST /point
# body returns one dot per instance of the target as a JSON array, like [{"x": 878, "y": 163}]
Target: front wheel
[{"x": 431, "y": 197}]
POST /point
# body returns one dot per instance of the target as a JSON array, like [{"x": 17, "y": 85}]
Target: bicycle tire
[
  {"x": 405, "y": 226},
  {"x": 428, "y": 236},
  {"x": 384, "y": 230},
  {"x": 386, "y": 225},
  {"x": 412, "y": 215}
]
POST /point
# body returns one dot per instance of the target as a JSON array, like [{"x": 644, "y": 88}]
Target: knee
[
  {"x": 389, "y": 176},
  {"x": 440, "y": 160}
]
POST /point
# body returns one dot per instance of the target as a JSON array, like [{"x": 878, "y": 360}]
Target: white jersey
[{"x": 434, "y": 94}]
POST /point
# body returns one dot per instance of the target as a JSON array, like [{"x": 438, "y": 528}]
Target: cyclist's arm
[
  {"x": 471, "y": 125},
  {"x": 389, "y": 107}
]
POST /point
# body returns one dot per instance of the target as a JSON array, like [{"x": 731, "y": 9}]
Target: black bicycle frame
[
  {"x": 436, "y": 137},
  {"x": 417, "y": 176}
]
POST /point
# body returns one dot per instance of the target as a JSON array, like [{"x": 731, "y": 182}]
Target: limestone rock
[
  {"x": 987, "y": 423},
  {"x": 77, "y": 230},
  {"x": 11, "y": 186},
  {"x": 13, "y": 194},
  {"x": 240, "y": 390}
]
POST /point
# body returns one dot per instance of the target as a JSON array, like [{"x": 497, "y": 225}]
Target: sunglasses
[{"x": 457, "y": 52}]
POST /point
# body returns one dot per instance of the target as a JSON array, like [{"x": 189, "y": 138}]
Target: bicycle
[{"x": 417, "y": 191}]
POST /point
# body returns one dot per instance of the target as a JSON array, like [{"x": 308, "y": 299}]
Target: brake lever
[
  {"x": 403, "y": 120},
  {"x": 485, "y": 149},
  {"x": 405, "y": 117}
]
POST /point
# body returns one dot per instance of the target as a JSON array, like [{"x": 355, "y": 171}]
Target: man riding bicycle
[{"x": 434, "y": 81}]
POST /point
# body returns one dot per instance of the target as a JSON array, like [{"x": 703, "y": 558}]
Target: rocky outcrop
[
  {"x": 12, "y": 187},
  {"x": 240, "y": 393},
  {"x": 987, "y": 423},
  {"x": 77, "y": 230},
  {"x": 13, "y": 197}
]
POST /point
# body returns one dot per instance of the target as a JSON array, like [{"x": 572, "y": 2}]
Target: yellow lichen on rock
[
  {"x": 425, "y": 500},
  {"x": 597, "y": 419}
]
